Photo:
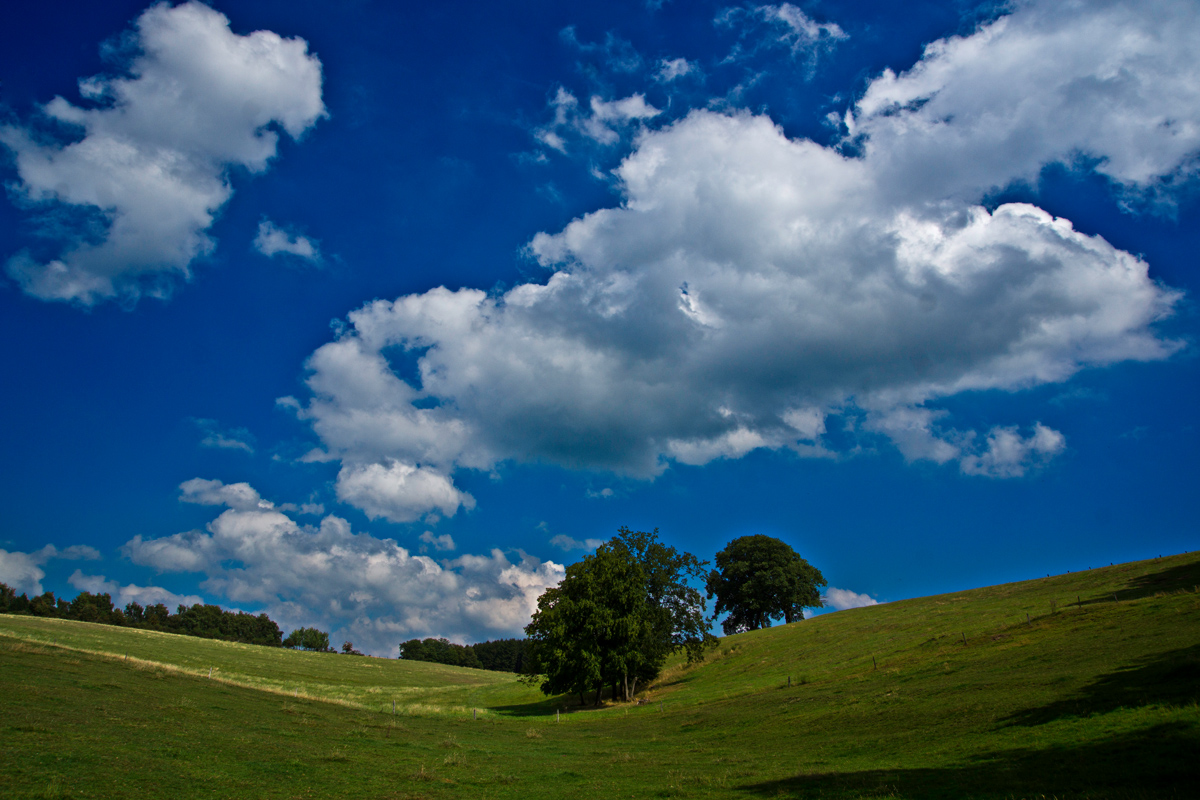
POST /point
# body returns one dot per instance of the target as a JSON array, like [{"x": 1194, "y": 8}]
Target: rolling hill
[{"x": 1081, "y": 685}]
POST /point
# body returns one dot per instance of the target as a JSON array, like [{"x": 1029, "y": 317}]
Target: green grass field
[{"x": 1076, "y": 686}]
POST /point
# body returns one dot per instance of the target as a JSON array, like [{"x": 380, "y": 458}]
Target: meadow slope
[{"x": 1082, "y": 685}]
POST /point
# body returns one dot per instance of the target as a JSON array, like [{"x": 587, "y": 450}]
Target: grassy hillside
[
  {"x": 369, "y": 683},
  {"x": 1082, "y": 685}
]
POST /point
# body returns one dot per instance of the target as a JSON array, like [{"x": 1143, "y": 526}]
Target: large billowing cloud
[
  {"x": 368, "y": 590},
  {"x": 136, "y": 190},
  {"x": 755, "y": 291}
]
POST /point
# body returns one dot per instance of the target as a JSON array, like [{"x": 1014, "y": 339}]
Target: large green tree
[
  {"x": 616, "y": 616},
  {"x": 759, "y": 578}
]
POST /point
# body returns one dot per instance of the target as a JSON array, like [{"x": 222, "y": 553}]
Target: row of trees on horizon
[{"x": 610, "y": 623}]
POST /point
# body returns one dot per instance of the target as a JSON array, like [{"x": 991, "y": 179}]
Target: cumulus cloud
[
  {"x": 399, "y": 492},
  {"x": 273, "y": 241},
  {"x": 754, "y": 291},
  {"x": 214, "y": 493},
  {"x": 146, "y": 168},
  {"x": 23, "y": 571},
  {"x": 1116, "y": 84},
  {"x": 369, "y": 590},
  {"x": 1010, "y": 455},
  {"x": 124, "y": 594},
  {"x": 842, "y": 599}
]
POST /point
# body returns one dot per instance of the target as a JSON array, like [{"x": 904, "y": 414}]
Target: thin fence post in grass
[
  {"x": 964, "y": 638},
  {"x": 556, "y": 715},
  {"x": 874, "y": 664},
  {"x": 473, "y": 715},
  {"x": 393, "y": 706},
  {"x": 789, "y": 681},
  {"x": 210, "y": 673}
]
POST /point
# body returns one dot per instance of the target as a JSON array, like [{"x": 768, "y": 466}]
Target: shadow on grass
[
  {"x": 1158, "y": 762},
  {"x": 1170, "y": 679},
  {"x": 1173, "y": 579}
]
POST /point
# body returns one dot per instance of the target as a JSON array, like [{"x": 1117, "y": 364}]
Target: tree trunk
[{"x": 599, "y": 690}]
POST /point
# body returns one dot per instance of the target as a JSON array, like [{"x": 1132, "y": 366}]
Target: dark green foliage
[
  {"x": 308, "y": 639},
  {"x": 206, "y": 621},
  {"x": 616, "y": 616},
  {"x": 502, "y": 655},
  {"x": 759, "y": 578},
  {"x": 440, "y": 651},
  {"x": 348, "y": 649}
]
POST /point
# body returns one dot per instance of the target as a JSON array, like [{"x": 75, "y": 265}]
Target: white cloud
[
  {"x": 752, "y": 291},
  {"x": 769, "y": 27},
  {"x": 1009, "y": 455},
  {"x": 564, "y": 542},
  {"x": 399, "y": 492},
  {"x": 369, "y": 590},
  {"x": 842, "y": 599},
  {"x": 23, "y": 571},
  {"x": 123, "y": 595},
  {"x": 602, "y": 122},
  {"x": 148, "y": 169},
  {"x": 214, "y": 493},
  {"x": 1115, "y": 82},
  {"x": 273, "y": 241},
  {"x": 443, "y": 542},
  {"x": 673, "y": 69}
]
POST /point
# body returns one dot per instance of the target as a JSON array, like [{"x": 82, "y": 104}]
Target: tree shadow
[
  {"x": 1170, "y": 679},
  {"x": 1172, "y": 579},
  {"x": 1157, "y": 762}
]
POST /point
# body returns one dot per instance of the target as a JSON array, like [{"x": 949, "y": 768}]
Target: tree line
[
  {"x": 204, "y": 621},
  {"x": 502, "y": 655}
]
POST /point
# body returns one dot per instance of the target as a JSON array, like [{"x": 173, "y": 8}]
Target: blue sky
[{"x": 373, "y": 316}]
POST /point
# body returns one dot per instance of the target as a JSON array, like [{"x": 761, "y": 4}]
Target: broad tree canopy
[
  {"x": 616, "y": 616},
  {"x": 758, "y": 578}
]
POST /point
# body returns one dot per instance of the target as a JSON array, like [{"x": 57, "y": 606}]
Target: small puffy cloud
[
  {"x": 272, "y": 241},
  {"x": 123, "y": 595},
  {"x": 842, "y": 599},
  {"x": 1010, "y": 455},
  {"x": 359, "y": 587},
  {"x": 214, "y": 493},
  {"x": 672, "y": 69},
  {"x": 564, "y": 542},
  {"x": 443, "y": 542},
  {"x": 146, "y": 166},
  {"x": 23, "y": 571},
  {"x": 212, "y": 435},
  {"x": 399, "y": 492},
  {"x": 754, "y": 291}
]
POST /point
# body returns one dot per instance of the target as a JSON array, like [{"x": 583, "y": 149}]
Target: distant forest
[
  {"x": 204, "y": 621},
  {"x": 214, "y": 622},
  {"x": 502, "y": 655}
]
